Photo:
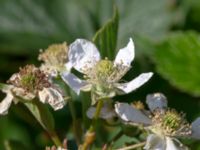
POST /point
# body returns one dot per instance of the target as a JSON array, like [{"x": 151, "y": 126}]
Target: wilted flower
[
  {"x": 102, "y": 76},
  {"x": 164, "y": 124},
  {"x": 54, "y": 59},
  {"x": 28, "y": 84}
]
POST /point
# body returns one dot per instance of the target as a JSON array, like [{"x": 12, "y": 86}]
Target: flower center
[
  {"x": 55, "y": 55},
  {"x": 170, "y": 123},
  {"x": 104, "y": 68},
  {"x": 172, "y": 120},
  {"x": 28, "y": 81},
  {"x": 30, "y": 78}
]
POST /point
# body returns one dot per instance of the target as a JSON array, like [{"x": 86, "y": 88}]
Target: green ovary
[
  {"x": 28, "y": 81},
  {"x": 104, "y": 68},
  {"x": 172, "y": 120}
]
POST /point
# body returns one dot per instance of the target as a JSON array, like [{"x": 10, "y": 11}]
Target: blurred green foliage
[{"x": 163, "y": 45}]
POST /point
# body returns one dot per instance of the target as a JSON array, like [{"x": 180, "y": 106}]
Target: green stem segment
[
  {"x": 75, "y": 123},
  {"x": 133, "y": 146},
  {"x": 90, "y": 135},
  {"x": 55, "y": 139}
]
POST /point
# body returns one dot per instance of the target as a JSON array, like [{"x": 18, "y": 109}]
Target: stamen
[
  {"x": 138, "y": 105},
  {"x": 55, "y": 55},
  {"x": 30, "y": 78},
  {"x": 170, "y": 123}
]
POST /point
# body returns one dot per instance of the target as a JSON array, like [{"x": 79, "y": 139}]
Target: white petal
[
  {"x": 126, "y": 54},
  {"x": 5, "y": 103},
  {"x": 155, "y": 142},
  {"x": 135, "y": 83},
  {"x": 131, "y": 115},
  {"x": 174, "y": 144},
  {"x": 23, "y": 94},
  {"x": 52, "y": 97},
  {"x": 68, "y": 66},
  {"x": 106, "y": 112},
  {"x": 196, "y": 128},
  {"x": 156, "y": 100},
  {"x": 83, "y": 53},
  {"x": 74, "y": 82}
]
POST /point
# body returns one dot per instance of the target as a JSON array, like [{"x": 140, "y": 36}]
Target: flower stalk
[
  {"x": 90, "y": 134},
  {"x": 55, "y": 138},
  {"x": 133, "y": 146}
]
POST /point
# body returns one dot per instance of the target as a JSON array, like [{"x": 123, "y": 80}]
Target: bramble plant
[{"x": 67, "y": 71}]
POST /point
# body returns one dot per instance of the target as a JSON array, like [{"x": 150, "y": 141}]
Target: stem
[
  {"x": 133, "y": 146},
  {"x": 96, "y": 115},
  {"x": 90, "y": 135},
  {"x": 75, "y": 126},
  {"x": 55, "y": 139}
]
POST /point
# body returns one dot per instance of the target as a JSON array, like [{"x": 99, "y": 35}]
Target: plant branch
[{"x": 133, "y": 146}]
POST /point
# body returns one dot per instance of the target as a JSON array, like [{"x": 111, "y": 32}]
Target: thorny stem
[
  {"x": 90, "y": 132},
  {"x": 133, "y": 146}
]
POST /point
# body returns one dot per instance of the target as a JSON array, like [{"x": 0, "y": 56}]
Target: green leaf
[
  {"x": 42, "y": 114},
  {"x": 33, "y": 24},
  {"x": 3, "y": 86},
  {"x": 106, "y": 38},
  {"x": 148, "y": 18},
  {"x": 14, "y": 131},
  {"x": 177, "y": 60},
  {"x": 14, "y": 145}
]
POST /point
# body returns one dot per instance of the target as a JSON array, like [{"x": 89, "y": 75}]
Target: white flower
[
  {"x": 28, "y": 84},
  {"x": 165, "y": 125},
  {"x": 102, "y": 76}
]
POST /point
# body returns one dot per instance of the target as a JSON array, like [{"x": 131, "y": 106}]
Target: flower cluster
[
  {"x": 28, "y": 85},
  {"x": 103, "y": 78},
  {"x": 165, "y": 125}
]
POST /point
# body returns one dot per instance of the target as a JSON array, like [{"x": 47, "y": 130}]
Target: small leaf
[
  {"x": 3, "y": 86},
  {"x": 177, "y": 60},
  {"x": 14, "y": 145},
  {"x": 42, "y": 114},
  {"x": 106, "y": 37}
]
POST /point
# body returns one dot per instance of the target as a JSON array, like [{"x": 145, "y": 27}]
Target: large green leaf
[
  {"x": 12, "y": 130},
  {"x": 177, "y": 60},
  {"x": 42, "y": 115},
  {"x": 148, "y": 18},
  {"x": 32, "y": 24},
  {"x": 106, "y": 38}
]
